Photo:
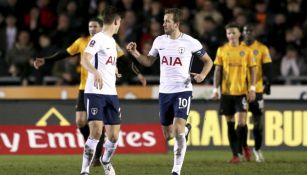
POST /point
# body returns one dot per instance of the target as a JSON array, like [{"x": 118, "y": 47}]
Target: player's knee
[
  {"x": 241, "y": 122},
  {"x": 257, "y": 127},
  {"x": 80, "y": 123},
  {"x": 96, "y": 134},
  {"x": 257, "y": 123},
  {"x": 81, "y": 119},
  {"x": 230, "y": 118},
  {"x": 178, "y": 131}
]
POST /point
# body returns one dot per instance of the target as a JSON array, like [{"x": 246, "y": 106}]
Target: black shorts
[
  {"x": 256, "y": 107},
  {"x": 80, "y": 106},
  {"x": 230, "y": 104}
]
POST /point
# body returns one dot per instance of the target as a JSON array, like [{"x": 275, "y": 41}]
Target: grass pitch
[{"x": 196, "y": 163}]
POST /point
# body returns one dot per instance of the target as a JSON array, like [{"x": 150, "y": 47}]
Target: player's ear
[
  {"x": 117, "y": 21},
  {"x": 239, "y": 33}
]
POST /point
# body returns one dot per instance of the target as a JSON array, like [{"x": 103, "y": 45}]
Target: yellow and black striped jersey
[
  {"x": 262, "y": 56},
  {"x": 235, "y": 62},
  {"x": 78, "y": 47}
]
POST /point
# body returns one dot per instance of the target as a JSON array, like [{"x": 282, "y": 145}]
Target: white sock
[
  {"x": 180, "y": 147},
  {"x": 109, "y": 149},
  {"x": 89, "y": 151}
]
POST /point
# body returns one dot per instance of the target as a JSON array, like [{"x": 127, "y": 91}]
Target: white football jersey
[
  {"x": 175, "y": 60},
  {"x": 103, "y": 49}
]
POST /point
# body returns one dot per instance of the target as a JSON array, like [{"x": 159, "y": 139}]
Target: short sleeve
[
  {"x": 154, "y": 48},
  {"x": 93, "y": 46},
  {"x": 218, "y": 59},
  {"x": 196, "y": 46},
  {"x": 251, "y": 58},
  {"x": 74, "y": 48},
  {"x": 197, "y": 49}
]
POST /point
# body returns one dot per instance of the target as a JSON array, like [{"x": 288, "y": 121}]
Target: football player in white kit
[
  {"x": 175, "y": 50},
  {"x": 100, "y": 92}
]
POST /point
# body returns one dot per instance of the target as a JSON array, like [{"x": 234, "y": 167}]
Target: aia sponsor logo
[
  {"x": 170, "y": 61},
  {"x": 111, "y": 60}
]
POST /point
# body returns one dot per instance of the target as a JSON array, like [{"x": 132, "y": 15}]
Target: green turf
[{"x": 196, "y": 163}]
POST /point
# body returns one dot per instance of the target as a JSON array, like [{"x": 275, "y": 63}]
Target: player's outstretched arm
[
  {"x": 137, "y": 72},
  {"x": 144, "y": 60},
  {"x": 62, "y": 54},
  {"x": 142, "y": 79},
  {"x": 90, "y": 68},
  {"x": 217, "y": 78},
  {"x": 133, "y": 67}
]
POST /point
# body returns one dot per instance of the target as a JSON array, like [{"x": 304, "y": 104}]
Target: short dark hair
[
  {"x": 110, "y": 14},
  {"x": 232, "y": 25},
  {"x": 98, "y": 20},
  {"x": 177, "y": 14},
  {"x": 250, "y": 26}
]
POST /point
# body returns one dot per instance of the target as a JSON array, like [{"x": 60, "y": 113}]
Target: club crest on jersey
[
  {"x": 242, "y": 53},
  {"x": 256, "y": 52},
  {"x": 92, "y": 43},
  {"x": 181, "y": 50},
  {"x": 94, "y": 111}
]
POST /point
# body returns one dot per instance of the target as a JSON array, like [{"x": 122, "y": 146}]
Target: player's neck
[
  {"x": 108, "y": 30},
  {"x": 175, "y": 35},
  {"x": 249, "y": 42},
  {"x": 234, "y": 43}
]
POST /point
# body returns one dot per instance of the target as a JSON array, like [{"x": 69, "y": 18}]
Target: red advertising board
[{"x": 28, "y": 139}]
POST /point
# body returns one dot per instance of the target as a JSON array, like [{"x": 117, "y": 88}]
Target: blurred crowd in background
[{"x": 38, "y": 28}]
